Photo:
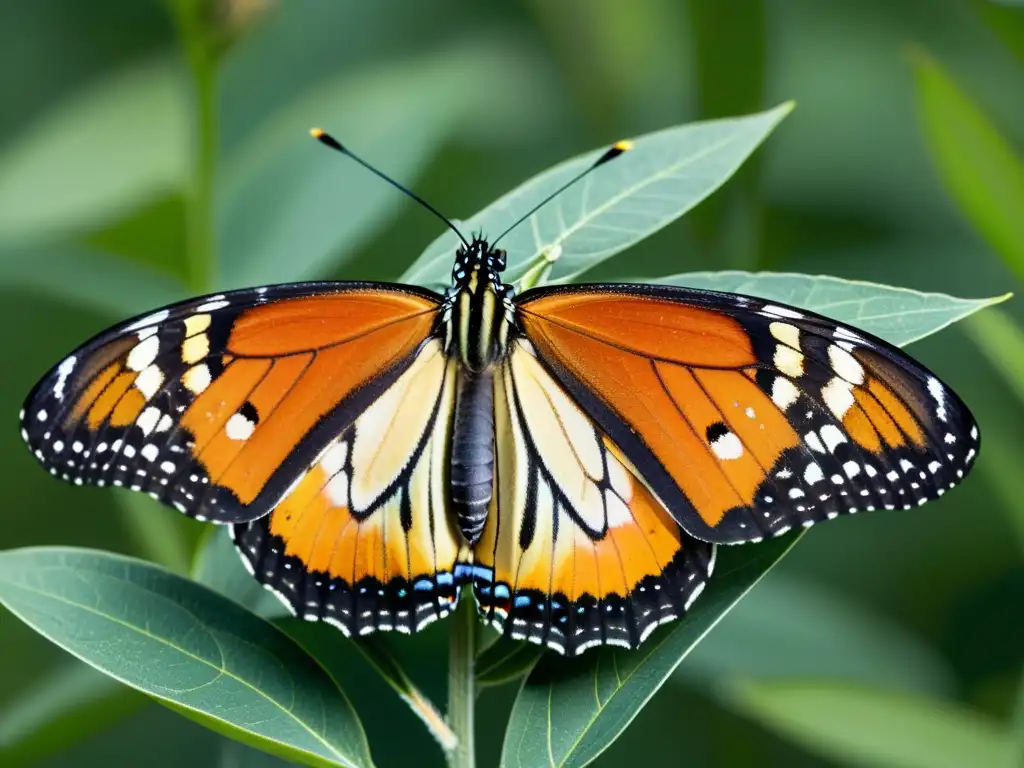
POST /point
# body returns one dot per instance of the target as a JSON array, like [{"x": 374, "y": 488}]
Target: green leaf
[
  {"x": 127, "y": 135},
  {"x": 873, "y": 727},
  {"x": 88, "y": 279},
  {"x": 380, "y": 658},
  {"x": 977, "y": 165},
  {"x": 505, "y": 660},
  {"x": 804, "y": 630},
  {"x": 218, "y": 566},
  {"x": 186, "y": 646},
  {"x": 570, "y": 710},
  {"x": 898, "y": 315},
  {"x": 665, "y": 175},
  {"x": 291, "y": 209},
  {"x": 1006, "y": 21},
  {"x": 1001, "y": 340},
  {"x": 70, "y": 702}
]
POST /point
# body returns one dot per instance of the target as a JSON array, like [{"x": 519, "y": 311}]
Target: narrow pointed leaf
[
  {"x": 570, "y": 711},
  {"x": 380, "y": 658},
  {"x": 977, "y": 165},
  {"x": 126, "y": 134},
  {"x": 666, "y": 174},
  {"x": 898, "y": 315},
  {"x": 505, "y": 660},
  {"x": 865, "y": 726},
  {"x": 218, "y": 566},
  {"x": 186, "y": 646}
]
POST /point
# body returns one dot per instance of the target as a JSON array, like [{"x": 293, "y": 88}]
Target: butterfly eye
[{"x": 498, "y": 260}]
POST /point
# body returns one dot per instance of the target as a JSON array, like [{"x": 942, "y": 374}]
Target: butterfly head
[
  {"x": 479, "y": 305},
  {"x": 477, "y": 263}
]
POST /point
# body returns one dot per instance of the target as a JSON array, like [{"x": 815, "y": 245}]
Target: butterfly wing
[
  {"x": 576, "y": 551},
  {"x": 747, "y": 418},
  {"x": 364, "y": 540},
  {"x": 215, "y": 405}
]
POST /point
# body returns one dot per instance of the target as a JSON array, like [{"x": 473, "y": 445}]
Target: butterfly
[{"x": 572, "y": 453}]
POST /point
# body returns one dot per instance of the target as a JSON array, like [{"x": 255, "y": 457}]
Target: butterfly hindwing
[
  {"x": 748, "y": 418},
  {"x": 365, "y": 540},
  {"x": 576, "y": 551},
  {"x": 214, "y": 405}
]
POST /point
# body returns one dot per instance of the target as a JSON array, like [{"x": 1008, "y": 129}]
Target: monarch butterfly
[{"x": 574, "y": 453}]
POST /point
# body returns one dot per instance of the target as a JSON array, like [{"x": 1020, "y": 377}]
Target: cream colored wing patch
[
  {"x": 577, "y": 552},
  {"x": 364, "y": 539}
]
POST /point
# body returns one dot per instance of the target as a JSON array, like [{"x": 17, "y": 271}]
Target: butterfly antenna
[
  {"x": 325, "y": 138},
  {"x": 612, "y": 152}
]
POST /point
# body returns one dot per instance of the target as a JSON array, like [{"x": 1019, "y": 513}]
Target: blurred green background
[{"x": 886, "y": 171}]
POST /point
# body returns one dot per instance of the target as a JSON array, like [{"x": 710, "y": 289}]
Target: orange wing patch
[
  {"x": 576, "y": 550},
  {"x": 747, "y": 418},
  {"x": 666, "y": 404},
  {"x": 648, "y": 326},
  {"x": 210, "y": 405},
  {"x": 364, "y": 539}
]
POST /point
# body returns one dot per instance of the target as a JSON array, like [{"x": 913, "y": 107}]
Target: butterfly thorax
[{"x": 478, "y": 307}]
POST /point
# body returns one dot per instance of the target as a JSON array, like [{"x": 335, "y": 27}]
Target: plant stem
[
  {"x": 196, "y": 42},
  {"x": 461, "y": 694}
]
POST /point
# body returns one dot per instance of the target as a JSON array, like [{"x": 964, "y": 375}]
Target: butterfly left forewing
[
  {"x": 577, "y": 552},
  {"x": 214, "y": 405},
  {"x": 364, "y": 539}
]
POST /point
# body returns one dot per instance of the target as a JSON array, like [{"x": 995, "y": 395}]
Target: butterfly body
[{"x": 572, "y": 453}]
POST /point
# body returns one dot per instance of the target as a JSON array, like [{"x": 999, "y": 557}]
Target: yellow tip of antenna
[
  {"x": 624, "y": 146},
  {"x": 316, "y": 133}
]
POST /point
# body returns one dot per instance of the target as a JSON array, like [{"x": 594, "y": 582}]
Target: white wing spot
[
  {"x": 838, "y": 396},
  {"x": 147, "y": 420},
  {"x": 777, "y": 311},
  {"x": 813, "y": 474},
  {"x": 212, "y": 306},
  {"x": 727, "y": 447},
  {"x": 143, "y": 354},
  {"x": 63, "y": 371},
  {"x": 846, "y": 365},
  {"x": 832, "y": 436},
  {"x": 814, "y": 442},
  {"x": 239, "y": 427},
  {"x": 939, "y": 394},
  {"x": 197, "y": 379},
  {"x": 148, "y": 382},
  {"x": 784, "y": 392}
]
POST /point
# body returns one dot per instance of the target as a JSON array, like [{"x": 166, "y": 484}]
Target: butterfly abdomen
[{"x": 472, "y": 453}]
